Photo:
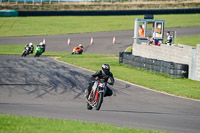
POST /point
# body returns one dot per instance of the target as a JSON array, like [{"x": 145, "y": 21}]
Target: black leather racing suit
[{"x": 106, "y": 76}]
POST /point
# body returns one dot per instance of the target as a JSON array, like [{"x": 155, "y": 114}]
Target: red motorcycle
[{"x": 95, "y": 98}]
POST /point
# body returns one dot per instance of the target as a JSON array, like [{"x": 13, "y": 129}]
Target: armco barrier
[
  {"x": 108, "y": 12},
  {"x": 172, "y": 69},
  {"x": 8, "y": 13}
]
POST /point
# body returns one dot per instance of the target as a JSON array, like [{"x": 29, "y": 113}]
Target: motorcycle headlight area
[{"x": 101, "y": 84}]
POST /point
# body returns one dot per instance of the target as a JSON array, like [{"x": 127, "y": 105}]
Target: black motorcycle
[
  {"x": 31, "y": 49},
  {"x": 95, "y": 98},
  {"x": 25, "y": 52}
]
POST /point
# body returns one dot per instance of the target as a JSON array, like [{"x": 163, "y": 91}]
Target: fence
[{"x": 94, "y": 1}]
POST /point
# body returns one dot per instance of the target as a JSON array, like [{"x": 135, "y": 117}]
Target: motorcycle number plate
[{"x": 101, "y": 85}]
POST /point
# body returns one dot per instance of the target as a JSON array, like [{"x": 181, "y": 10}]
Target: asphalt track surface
[
  {"x": 102, "y": 40},
  {"x": 48, "y": 88}
]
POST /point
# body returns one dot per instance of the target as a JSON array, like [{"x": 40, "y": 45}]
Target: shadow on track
[{"x": 40, "y": 77}]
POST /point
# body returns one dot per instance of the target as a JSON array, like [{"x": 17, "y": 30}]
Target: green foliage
[
  {"x": 27, "y": 26},
  {"x": 23, "y": 124}
]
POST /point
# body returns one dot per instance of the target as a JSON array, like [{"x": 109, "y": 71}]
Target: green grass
[
  {"x": 179, "y": 87},
  {"x": 23, "y": 124},
  {"x": 11, "y": 49},
  {"x": 27, "y": 26},
  {"x": 129, "y": 49},
  {"x": 189, "y": 40}
]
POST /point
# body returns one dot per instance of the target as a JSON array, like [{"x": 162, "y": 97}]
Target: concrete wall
[
  {"x": 179, "y": 54},
  {"x": 197, "y": 65}
]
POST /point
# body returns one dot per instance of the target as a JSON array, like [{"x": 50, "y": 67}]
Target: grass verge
[
  {"x": 180, "y": 87},
  {"x": 23, "y": 124},
  {"x": 27, "y": 26},
  {"x": 189, "y": 40}
]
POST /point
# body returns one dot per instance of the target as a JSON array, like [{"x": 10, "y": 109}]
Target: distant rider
[
  {"x": 78, "y": 50},
  {"x": 26, "y": 50},
  {"x": 102, "y": 74},
  {"x": 169, "y": 39},
  {"x": 26, "y": 47},
  {"x": 31, "y": 47}
]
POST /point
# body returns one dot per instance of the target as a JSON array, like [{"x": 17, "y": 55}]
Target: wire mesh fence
[{"x": 79, "y": 1}]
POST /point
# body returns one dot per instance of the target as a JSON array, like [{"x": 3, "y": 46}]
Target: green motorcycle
[{"x": 38, "y": 50}]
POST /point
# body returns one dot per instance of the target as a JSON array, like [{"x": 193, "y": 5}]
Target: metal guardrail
[{"x": 8, "y": 13}]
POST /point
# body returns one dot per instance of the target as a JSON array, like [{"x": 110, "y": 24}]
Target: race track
[
  {"x": 102, "y": 40},
  {"x": 48, "y": 88}
]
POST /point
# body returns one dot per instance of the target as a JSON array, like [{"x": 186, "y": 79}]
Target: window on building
[
  {"x": 149, "y": 29},
  {"x": 141, "y": 30},
  {"x": 159, "y": 30}
]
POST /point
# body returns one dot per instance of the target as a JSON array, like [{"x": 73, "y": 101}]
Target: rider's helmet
[
  {"x": 30, "y": 44},
  {"x": 106, "y": 68},
  {"x": 41, "y": 43}
]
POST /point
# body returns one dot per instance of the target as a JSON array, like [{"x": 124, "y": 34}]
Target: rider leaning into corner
[{"x": 102, "y": 74}]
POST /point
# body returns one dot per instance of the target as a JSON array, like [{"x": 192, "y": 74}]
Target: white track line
[{"x": 133, "y": 84}]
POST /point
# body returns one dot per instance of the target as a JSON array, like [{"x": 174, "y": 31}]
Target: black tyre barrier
[
  {"x": 121, "y": 57},
  {"x": 133, "y": 64},
  {"x": 108, "y": 12},
  {"x": 172, "y": 69},
  {"x": 180, "y": 66}
]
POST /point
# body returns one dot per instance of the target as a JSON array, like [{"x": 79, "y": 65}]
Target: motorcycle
[
  {"x": 31, "y": 50},
  {"x": 39, "y": 51},
  {"x": 25, "y": 52},
  {"x": 95, "y": 98}
]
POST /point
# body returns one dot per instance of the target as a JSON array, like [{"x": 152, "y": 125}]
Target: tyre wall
[
  {"x": 172, "y": 69},
  {"x": 181, "y": 54},
  {"x": 108, "y": 12}
]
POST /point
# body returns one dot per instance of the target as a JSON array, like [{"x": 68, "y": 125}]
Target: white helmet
[
  {"x": 30, "y": 44},
  {"x": 41, "y": 43}
]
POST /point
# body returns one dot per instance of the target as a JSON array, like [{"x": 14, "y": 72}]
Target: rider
[
  {"x": 31, "y": 47},
  {"x": 169, "y": 39},
  {"x": 102, "y": 74},
  {"x": 26, "y": 47},
  {"x": 78, "y": 50},
  {"x": 26, "y": 50}
]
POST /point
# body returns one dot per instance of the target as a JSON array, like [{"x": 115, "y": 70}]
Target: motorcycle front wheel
[
  {"x": 89, "y": 107},
  {"x": 99, "y": 101}
]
